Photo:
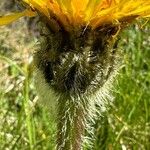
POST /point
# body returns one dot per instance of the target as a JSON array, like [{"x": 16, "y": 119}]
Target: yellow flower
[{"x": 77, "y": 13}]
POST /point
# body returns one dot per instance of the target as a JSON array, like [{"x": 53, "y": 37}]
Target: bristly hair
[
  {"x": 74, "y": 74},
  {"x": 77, "y": 60}
]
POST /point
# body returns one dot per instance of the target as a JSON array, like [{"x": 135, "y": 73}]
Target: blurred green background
[{"x": 25, "y": 125}]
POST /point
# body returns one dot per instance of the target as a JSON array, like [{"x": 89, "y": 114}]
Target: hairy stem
[{"x": 71, "y": 125}]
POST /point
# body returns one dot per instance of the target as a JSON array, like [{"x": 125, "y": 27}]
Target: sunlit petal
[
  {"x": 10, "y": 18},
  {"x": 94, "y": 13}
]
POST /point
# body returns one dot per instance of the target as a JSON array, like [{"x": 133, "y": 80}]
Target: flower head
[
  {"x": 93, "y": 13},
  {"x": 74, "y": 70}
]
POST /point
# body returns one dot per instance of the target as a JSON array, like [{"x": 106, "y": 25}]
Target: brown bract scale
[{"x": 79, "y": 61}]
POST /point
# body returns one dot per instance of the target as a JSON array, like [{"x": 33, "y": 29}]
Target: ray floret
[{"x": 76, "y": 13}]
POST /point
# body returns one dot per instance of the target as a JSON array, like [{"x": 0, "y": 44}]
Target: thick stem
[{"x": 71, "y": 125}]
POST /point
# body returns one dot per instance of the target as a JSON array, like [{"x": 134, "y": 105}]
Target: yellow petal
[
  {"x": 79, "y": 6},
  {"x": 90, "y": 9},
  {"x": 65, "y": 4},
  {"x": 109, "y": 11},
  {"x": 77, "y": 13},
  {"x": 10, "y": 18},
  {"x": 40, "y": 5}
]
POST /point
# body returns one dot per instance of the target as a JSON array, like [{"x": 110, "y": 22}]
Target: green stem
[{"x": 71, "y": 125}]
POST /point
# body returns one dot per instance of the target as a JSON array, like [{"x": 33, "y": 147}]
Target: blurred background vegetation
[{"x": 25, "y": 125}]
